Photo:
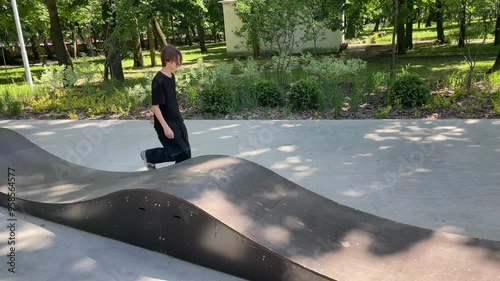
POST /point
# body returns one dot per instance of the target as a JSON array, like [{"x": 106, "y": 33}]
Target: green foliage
[
  {"x": 137, "y": 95},
  {"x": 379, "y": 79},
  {"x": 441, "y": 101},
  {"x": 2, "y": 104},
  {"x": 359, "y": 90},
  {"x": 72, "y": 100},
  {"x": 249, "y": 71},
  {"x": 383, "y": 112},
  {"x": 217, "y": 99},
  {"x": 332, "y": 68},
  {"x": 282, "y": 66},
  {"x": 304, "y": 94},
  {"x": 268, "y": 93},
  {"x": 11, "y": 104},
  {"x": 338, "y": 101},
  {"x": 409, "y": 89},
  {"x": 57, "y": 77},
  {"x": 330, "y": 72},
  {"x": 216, "y": 94},
  {"x": 495, "y": 98},
  {"x": 457, "y": 79},
  {"x": 191, "y": 82}
]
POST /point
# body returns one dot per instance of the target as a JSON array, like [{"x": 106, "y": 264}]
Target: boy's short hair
[{"x": 169, "y": 54}]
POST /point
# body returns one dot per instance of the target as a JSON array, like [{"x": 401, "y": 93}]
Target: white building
[{"x": 236, "y": 45}]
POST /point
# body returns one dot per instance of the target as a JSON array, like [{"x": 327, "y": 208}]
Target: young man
[{"x": 168, "y": 122}]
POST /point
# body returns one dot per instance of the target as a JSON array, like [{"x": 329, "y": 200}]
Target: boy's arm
[
  {"x": 166, "y": 129},
  {"x": 159, "y": 116}
]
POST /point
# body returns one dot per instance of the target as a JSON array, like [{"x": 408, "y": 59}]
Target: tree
[
  {"x": 112, "y": 48},
  {"x": 62, "y": 54},
  {"x": 272, "y": 26},
  {"x": 314, "y": 20},
  {"x": 215, "y": 18},
  {"x": 439, "y": 21}
]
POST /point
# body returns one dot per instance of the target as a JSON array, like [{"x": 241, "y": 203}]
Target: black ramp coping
[{"x": 237, "y": 217}]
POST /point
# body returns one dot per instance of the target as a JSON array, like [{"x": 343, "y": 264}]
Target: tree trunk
[
  {"x": 84, "y": 44},
  {"x": 75, "y": 45},
  {"x": 213, "y": 31},
  {"x": 394, "y": 34},
  {"x": 193, "y": 29},
  {"x": 497, "y": 31},
  {"x": 428, "y": 22},
  {"x": 143, "y": 43},
  {"x": 439, "y": 22},
  {"x": 6, "y": 55},
  {"x": 401, "y": 30},
  {"x": 377, "y": 25},
  {"x": 419, "y": 18},
  {"x": 57, "y": 35},
  {"x": 34, "y": 47},
  {"x": 496, "y": 65},
  {"x": 151, "y": 43},
  {"x": 113, "y": 63},
  {"x": 188, "y": 40},
  {"x": 105, "y": 6},
  {"x": 409, "y": 26},
  {"x": 138, "y": 58},
  {"x": 159, "y": 35},
  {"x": 201, "y": 34},
  {"x": 50, "y": 55},
  {"x": 463, "y": 35}
]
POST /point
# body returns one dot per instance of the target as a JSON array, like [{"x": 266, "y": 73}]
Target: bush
[
  {"x": 495, "y": 98},
  {"x": 217, "y": 99},
  {"x": 268, "y": 93},
  {"x": 383, "y": 112},
  {"x": 72, "y": 100},
  {"x": 304, "y": 94},
  {"x": 409, "y": 90},
  {"x": 12, "y": 104},
  {"x": 2, "y": 104}
]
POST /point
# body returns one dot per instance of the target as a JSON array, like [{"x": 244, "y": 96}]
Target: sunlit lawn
[{"x": 451, "y": 31}]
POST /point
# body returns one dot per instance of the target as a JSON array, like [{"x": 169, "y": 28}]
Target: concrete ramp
[{"x": 236, "y": 217}]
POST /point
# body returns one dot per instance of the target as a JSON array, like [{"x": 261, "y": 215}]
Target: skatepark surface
[{"x": 440, "y": 175}]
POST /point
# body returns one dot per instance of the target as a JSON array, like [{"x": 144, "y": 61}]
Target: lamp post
[{"x": 21, "y": 42}]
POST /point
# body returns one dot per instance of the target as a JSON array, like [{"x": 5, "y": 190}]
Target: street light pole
[{"x": 21, "y": 42}]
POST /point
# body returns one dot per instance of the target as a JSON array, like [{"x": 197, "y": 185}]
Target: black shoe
[{"x": 149, "y": 166}]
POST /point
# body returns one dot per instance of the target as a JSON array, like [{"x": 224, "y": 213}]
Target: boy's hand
[{"x": 168, "y": 133}]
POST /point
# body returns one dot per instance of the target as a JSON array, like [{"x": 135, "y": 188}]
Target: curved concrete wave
[{"x": 237, "y": 217}]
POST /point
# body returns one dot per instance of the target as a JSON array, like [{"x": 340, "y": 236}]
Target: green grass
[
  {"x": 431, "y": 49},
  {"x": 451, "y": 32}
]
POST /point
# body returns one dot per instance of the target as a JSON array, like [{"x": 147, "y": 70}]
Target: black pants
[{"x": 177, "y": 149}]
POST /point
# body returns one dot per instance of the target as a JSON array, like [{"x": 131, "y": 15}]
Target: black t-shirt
[{"x": 164, "y": 94}]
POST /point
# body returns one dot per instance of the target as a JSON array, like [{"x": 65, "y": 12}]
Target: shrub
[
  {"x": 304, "y": 94},
  {"x": 12, "y": 104},
  {"x": 268, "y": 93},
  {"x": 495, "y": 98},
  {"x": 2, "y": 104},
  {"x": 409, "y": 90},
  {"x": 332, "y": 68},
  {"x": 217, "y": 99},
  {"x": 383, "y": 112},
  {"x": 72, "y": 100},
  {"x": 137, "y": 95}
]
